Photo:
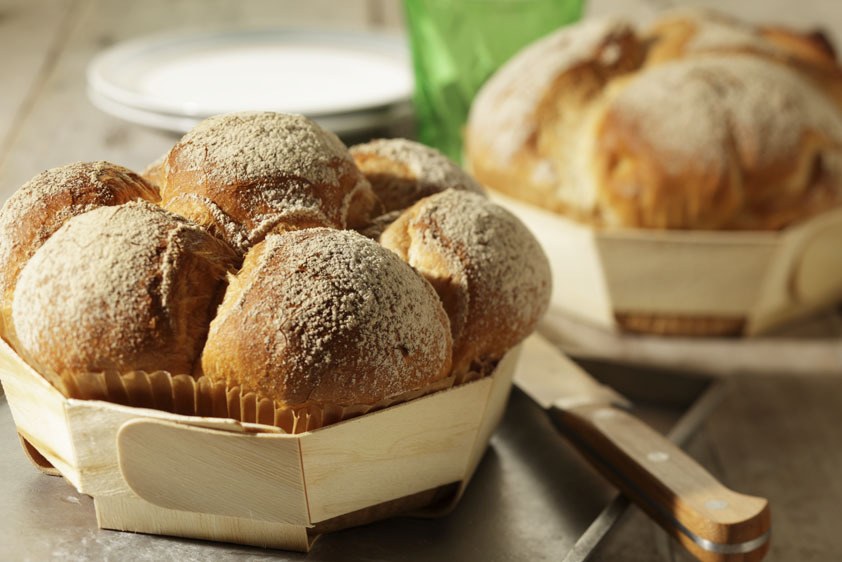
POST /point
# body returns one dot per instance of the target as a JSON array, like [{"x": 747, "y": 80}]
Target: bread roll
[
  {"x": 322, "y": 316},
  {"x": 244, "y": 175},
  {"x": 619, "y": 129},
  {"x": 488, "y": 269},
  {"x": 119, "y": 289},
  {"x": 43, "y": 204},
  {"x": 402, "y": 171}
]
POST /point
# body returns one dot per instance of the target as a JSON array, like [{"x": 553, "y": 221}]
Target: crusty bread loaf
[
  {"x": 43, "y": 204},
  {"x": 244, "y": 175},
  {"x": 698, "y": 123},
  {"x": 119, "y": 289},
  {"x": 402, "y": 171},
  {"x": 488, "y": 269},
  {"x": 248, "y": 271},
  {"x": 327, "y": 317}
]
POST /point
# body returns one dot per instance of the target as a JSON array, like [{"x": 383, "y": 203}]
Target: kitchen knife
[{"x": 711, "y": 521}]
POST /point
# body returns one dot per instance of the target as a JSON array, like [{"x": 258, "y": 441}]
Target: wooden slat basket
[
  {"x": 211, "y": 478},
  {"x": 758, "y": 279}
]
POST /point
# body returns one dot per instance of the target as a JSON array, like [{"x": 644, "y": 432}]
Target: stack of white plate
[{"x": 349, "y": 82}]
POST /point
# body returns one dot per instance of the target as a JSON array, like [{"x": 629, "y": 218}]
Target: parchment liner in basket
[{"x": 182, "y": 394}]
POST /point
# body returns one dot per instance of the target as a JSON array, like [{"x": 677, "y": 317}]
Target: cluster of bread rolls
[
  {"x": 239, "y": 256},
  {"x": 696, "y": 122}
]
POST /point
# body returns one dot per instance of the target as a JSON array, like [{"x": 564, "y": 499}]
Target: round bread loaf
[
  {"x": 488, "y": 269},
  {"x": 718, "y": 128},
  {"x": 698, "y": 123},
  {"x": 120, "y": 289},
  {"x": 244, "y": 175},
  {"x": 322, "y": 316},
  {"x": 44, "y": 203},
  {"x": 402, "y": 171}
]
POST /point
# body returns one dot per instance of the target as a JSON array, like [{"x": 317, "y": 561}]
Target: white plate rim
[
  {"x": 340, "y": 124},
  {"x": 392, "y": 45}
]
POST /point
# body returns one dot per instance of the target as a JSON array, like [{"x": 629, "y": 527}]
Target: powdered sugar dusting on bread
[
  {"x": 243, "y": 147},
  {"x": 502, "y": 114},
  {"x": 51, "y": 198},
  {"x": 337, "y": 318},
  {"x": 491, "y": 245},
  {"x": 714, "y": 31},
  {"x": 84, "y": 185},
  {"x": 495, "y": 260},
  {"x": 265, "y": 170},
  {"x": 695, "y": 111},
  {"x": 431, "y": 170},
  {"x": 103, "y": 284}
]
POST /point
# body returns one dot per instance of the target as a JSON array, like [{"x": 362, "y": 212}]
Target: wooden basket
[
  {"x": 210, "y": 478},
  {"x": 759, "y": 279}
]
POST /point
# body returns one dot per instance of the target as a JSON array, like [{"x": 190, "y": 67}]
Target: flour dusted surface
[
  {"x": 488, "y": 269},
  {"x": 332, "y": 317},
  {"x": 98, "y": 295},
  {"x": 242, "y": 147},
  {"x": 491, "y": 250},
  {"x": 694, "y": 112},
  {"x": 52, "y": 197}
]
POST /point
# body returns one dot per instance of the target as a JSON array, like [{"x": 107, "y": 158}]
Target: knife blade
[{"x": 711, "y": 521}]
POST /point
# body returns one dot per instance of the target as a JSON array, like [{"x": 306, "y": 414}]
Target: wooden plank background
[{"x": 778, "y": 435}]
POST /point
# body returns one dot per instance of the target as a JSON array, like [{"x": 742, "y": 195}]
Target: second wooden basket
[{"x": 758, "y": 279}]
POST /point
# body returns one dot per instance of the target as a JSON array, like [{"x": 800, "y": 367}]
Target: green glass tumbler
[{"x": 457, "y": 44}]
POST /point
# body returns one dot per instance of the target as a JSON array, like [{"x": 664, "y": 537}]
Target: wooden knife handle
[{"x": 711, "y": 521}]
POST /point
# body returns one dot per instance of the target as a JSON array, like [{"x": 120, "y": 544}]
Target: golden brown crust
[
  {"x": 700, "y": 123},
  {"x": 42, "y": 205},
  {"x": 119, "y": 289},
  {"x": 716, "y": 143},
  {"x": 331, "y": 318},
  {"x": 811, "y": 47},
  {"x": 693, "y": 32},
  {"x": 402, "y": 171},
  {"x": 321, "y": 320},
  {"x": 264, "y": 172},
  {"x": 523, "y": 136},
  {"x": 489, "y": 271}
]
